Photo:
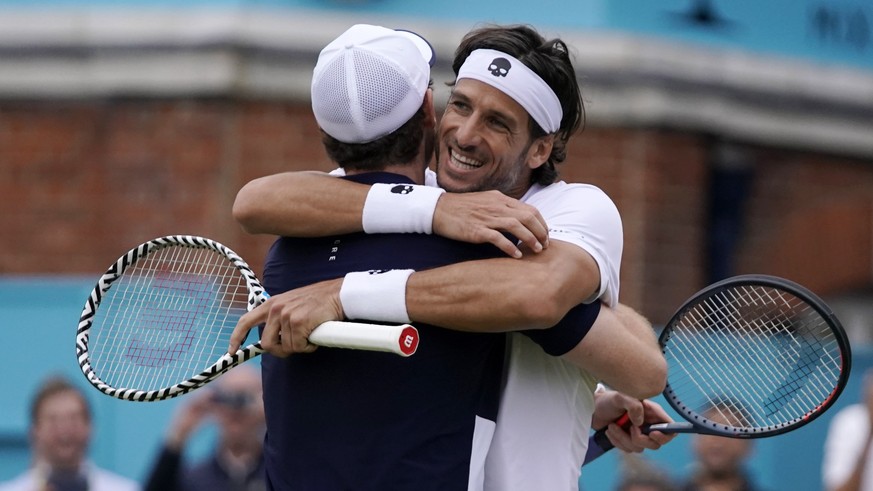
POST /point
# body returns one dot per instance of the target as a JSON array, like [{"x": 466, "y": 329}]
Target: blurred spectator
[
  {"x": 720, "y": 461},
  {"x": 646, "y": 482},
  {"x": 847, "y": 458},
  {"x": 60, "y": 431},
  {"x": 638, "y": 474},
  {"x": 235, "y": 403}
]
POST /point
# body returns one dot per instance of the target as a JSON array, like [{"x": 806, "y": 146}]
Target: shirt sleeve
[
  {"x": 565, "y": 335},
  {"x": 585, "y": 216}
]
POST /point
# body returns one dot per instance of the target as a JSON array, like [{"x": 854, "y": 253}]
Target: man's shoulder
[
  {"x": 561, "y": 197},
  {"x": 103, "y": 480},
  {"x": 561, "y": 190},
  {"x": 108, "y": 480},
  {"x": 20, "y": 482}
]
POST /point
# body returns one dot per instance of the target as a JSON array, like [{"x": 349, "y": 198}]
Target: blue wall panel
[
  {"x": 39, "y": 322},
  {"x": 822, "y": 31},
  {"x": 40, "y": 316}
]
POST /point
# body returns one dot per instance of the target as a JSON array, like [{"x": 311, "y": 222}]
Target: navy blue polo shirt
[{"x": 340, "y": 419}]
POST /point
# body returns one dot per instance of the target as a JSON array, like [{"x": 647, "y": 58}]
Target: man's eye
[{"x": 498, "y": 123}]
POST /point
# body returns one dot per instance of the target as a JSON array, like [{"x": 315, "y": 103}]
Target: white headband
[{"x": 512, "y": 77}]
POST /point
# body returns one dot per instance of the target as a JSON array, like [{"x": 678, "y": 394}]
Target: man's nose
[{"x": 468, "y": 134}]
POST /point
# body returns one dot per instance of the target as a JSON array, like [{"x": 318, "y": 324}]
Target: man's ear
[
  {"x": 429, "y": 111},
  {"x": 539, "y": 151}
]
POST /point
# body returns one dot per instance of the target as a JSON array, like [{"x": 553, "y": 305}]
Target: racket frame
[
  {"x": 699, "y": 423},
  {"x": 599, "y": 443},
  {"x": 256, "y": 296}
]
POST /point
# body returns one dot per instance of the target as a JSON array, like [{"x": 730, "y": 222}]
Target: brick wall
[
  {"x": 811, "y": 220},
  {"x": 87, "y": 180},
  {"x": 809, "y": 217},
  {"x": 657, "y": 180}
]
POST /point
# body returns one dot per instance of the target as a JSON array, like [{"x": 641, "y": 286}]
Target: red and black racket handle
[{"x": 599, "y": 443}]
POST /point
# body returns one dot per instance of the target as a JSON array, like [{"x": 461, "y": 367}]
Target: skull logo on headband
[
  {"x": 524, "y": 85},
  {"x": 499, "y": 67}
]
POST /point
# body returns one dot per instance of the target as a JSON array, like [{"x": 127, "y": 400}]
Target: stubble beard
[{"x": 508, "y": 183}]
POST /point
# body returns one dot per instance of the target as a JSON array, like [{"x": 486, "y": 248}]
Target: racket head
[
  {"x": 754, "y": 356},
  {"x": 158, "y": 322}
]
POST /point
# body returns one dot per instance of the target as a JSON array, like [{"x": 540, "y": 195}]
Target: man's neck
[
  {"x": 45, "y": 466},
  {"x": 726, "y": 481}
]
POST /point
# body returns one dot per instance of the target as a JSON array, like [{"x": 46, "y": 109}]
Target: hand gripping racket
[
  {"x": 751, "y": 356},
  {"x": 158, "y": 323}
]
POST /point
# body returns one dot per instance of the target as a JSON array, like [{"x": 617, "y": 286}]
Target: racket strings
[
  {"x": 763, "y": 320},
  {"x": 711, "y": 357},
  {"x": 807, "y": 357},
  {"x": 760, "y": 352},
  {"x": 171, "y": 314},
  {"x": 719, "y": 312}
]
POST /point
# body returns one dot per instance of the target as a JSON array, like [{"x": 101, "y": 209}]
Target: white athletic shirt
[
  {"x": 546, "y": 405},
  {"x": 98, "y": 480},
  {"x": 846, "y": 437}
]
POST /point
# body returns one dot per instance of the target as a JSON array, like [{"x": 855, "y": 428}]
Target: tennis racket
[
  {"x": 751, "y": 356},
  {"x": 158, "y": 323}
]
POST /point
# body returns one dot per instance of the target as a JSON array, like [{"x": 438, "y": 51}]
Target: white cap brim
[{"x": 427, "y": 51}]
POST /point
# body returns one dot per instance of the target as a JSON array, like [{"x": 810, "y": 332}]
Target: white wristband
[
  {"x": 377, "y": 295},
  {"x": 400, "y": 208}
]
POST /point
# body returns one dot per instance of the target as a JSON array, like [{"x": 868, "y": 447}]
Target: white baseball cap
[{"x": 369, "y": 81}]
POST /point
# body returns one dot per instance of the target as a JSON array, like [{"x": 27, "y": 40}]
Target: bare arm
[
  {"x": 619, "y": 335},
  {"x": 314, "y": 204},
  {"x": 622, "y": 351},
  {"x": 504, "y": 294},
  {"x": 300, "y": 204},
  {"x": 483, "y": 296}
]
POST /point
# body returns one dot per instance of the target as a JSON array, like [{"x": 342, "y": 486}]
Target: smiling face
[
  {"x": 485, "y": 142},
  {"x": 61, "y": 430}
]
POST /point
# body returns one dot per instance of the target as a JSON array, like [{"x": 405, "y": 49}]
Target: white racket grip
[{"x": 400, "y": 339}]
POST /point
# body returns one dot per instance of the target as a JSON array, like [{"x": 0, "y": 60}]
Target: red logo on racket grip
[{"x": 408, "y": 340}]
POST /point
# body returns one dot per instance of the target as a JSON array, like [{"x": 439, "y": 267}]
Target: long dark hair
[{"x": 550, "y": 59}]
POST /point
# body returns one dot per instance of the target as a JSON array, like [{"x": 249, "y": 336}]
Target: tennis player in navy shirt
[{"x": 345, "y": 419}]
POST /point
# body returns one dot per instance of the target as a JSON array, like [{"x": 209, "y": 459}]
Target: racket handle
[
  {"x": 400, "y": 339},
  {"x": 599, "y": 444}
]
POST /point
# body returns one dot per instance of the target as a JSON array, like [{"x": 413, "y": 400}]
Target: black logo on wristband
[{"x": 402, "y": 189}]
